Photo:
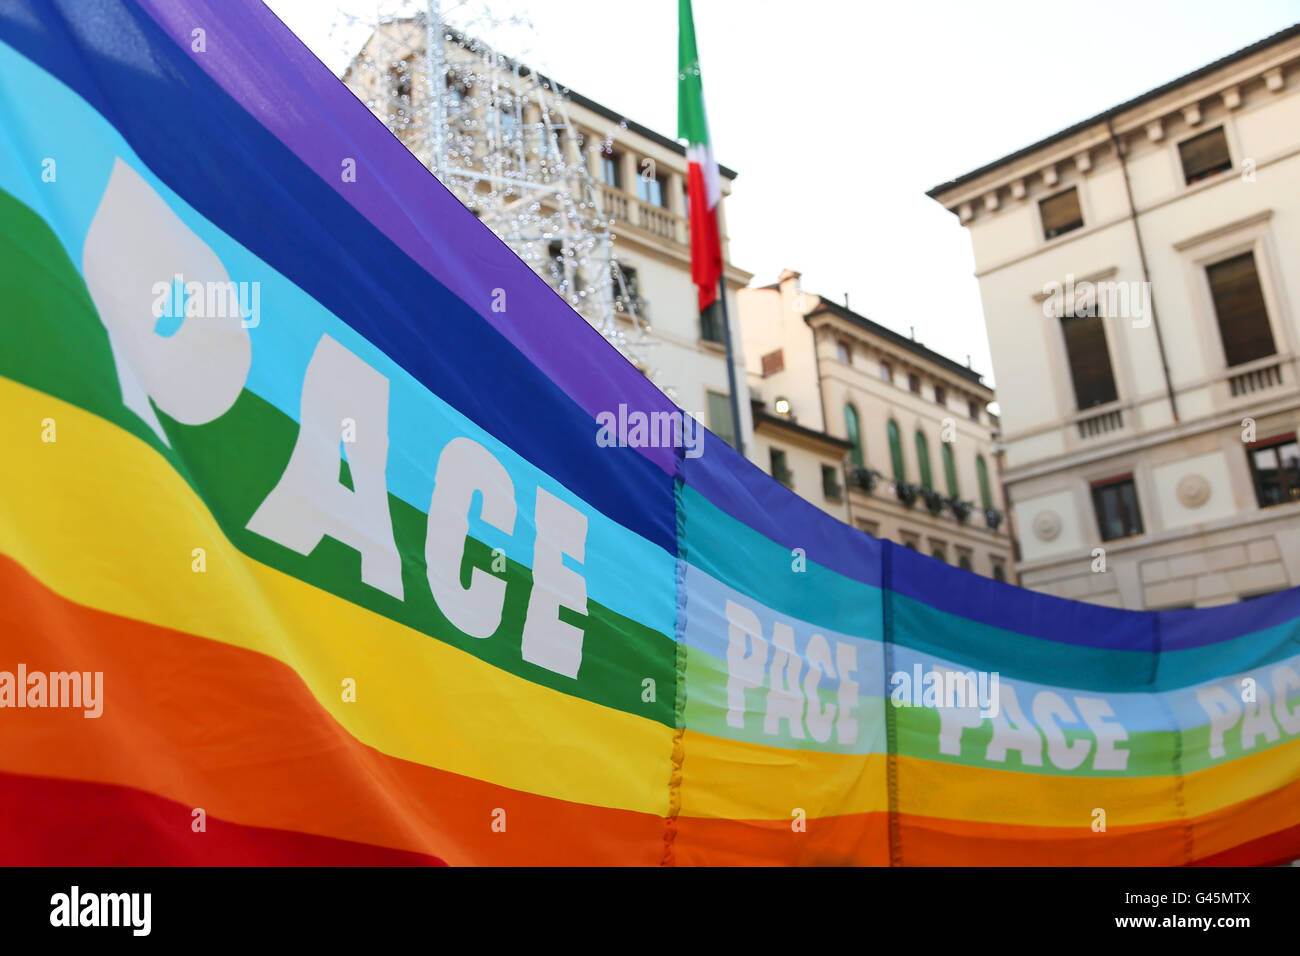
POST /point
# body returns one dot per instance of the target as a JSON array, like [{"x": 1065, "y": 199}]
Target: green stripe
[
  {"x": 691, "y": 125},
  {"x": 55, "y": 342},
  {"x": 1151, "y": 752}
]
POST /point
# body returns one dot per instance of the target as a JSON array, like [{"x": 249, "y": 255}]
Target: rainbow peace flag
[{"x": 309, "y": 552}]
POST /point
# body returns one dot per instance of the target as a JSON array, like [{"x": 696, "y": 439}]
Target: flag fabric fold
[{"x": 309, "y": 555}]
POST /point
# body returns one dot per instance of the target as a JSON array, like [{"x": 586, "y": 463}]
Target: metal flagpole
[{"x": 731, "y": 363}]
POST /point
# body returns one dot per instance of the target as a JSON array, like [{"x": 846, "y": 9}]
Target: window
[
  {"x": 886, "y": 372},
  {"x": 1275, "y": 466},
  {"x": 939, "y": 553},
  {"x": 896, "y": 452},
  {"x": 627, "y": 288},
  {"x": 457, "y": 93},
  {"x": 914, "y": 383},
  {"x": 1115, "y": 501},
  {"x": 1239, "y": 307},
  {"x": 974, "y": 409},
  {"x": 940, "y": 395},
  {"x": 401, "y": 77},
  {"x": 1089, "y": 360},
  {"x": 998, "y": 573},
  {"x": 982, "y": 473},
  {"x": 780, "y": 470},
  {"x": 774, "y": 362},
  {"x": 831, "y": 482},
  {"x": 720, "y": 417},
  {"x": 1205, "y": 155},
  {"x": 1061, "y": 213},
  {"x": 911, "y": 541},
  {"x": 555, "y": 252},
  {"x": 923, "y": 460},
  {"x": 950, "y": 471},
  {"x": 854, "y": 434},
  {"x": 711, "y": 322},
  {"x": 963, "y": 561},
  {"x": 610, "y": 174},
  {"x": 870, "y": 527},
  {"x": 844, "y": 352},
  {"x": 652, "y": 189},
  {"x": 508, "y": 121}
]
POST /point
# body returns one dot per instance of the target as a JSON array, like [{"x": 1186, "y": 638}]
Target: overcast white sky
[{"x": 838, "y": 115}]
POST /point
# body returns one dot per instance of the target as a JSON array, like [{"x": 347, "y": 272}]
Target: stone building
[{"x": 1139, "y": 278}]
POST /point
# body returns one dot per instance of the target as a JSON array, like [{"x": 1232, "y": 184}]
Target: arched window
[
  {"x": 896, "y": 452},
  {"x": 855, "y": 435},
  {"x": 950, "y": 471},
  {"x": 923, "y": 460},
  {"x": 982, "y": 472}
]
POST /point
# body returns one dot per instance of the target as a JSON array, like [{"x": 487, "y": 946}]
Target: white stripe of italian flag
[{"x": 703, "y": 185}]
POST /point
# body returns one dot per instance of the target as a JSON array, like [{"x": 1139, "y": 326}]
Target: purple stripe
[{"x": 280, "y": 83}]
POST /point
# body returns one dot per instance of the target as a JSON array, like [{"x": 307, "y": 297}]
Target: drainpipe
[
  {"x": 1146, "y": 272},
  {"x": 999, "y": 459}
]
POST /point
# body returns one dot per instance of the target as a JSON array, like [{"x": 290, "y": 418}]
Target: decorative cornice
[
  {"x": 1266, "y": 61},
  {"x": 1228, "y": 227}
]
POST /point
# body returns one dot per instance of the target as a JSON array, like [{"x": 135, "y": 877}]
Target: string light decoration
[{"x": 498, "y": 135}]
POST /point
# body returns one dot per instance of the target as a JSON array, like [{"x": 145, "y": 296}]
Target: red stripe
[
  {"x": 206, "y": 724},
  {"x": 706, "y": 247},
  {"x": 73, "y": 823},
  {"x": 1275, "y": 849}
]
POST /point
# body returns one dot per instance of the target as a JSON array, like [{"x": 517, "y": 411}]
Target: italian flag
[{"x": 703, "y": 185}]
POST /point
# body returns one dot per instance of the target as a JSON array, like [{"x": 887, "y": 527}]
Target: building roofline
[
  {"x": 1272, "y": 40},
  {"x": 889, "y": 335},
  {"x": 758, "y": 409},
  {"x": 572, "y": 95}
]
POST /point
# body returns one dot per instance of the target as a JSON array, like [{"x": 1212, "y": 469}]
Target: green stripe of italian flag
[{"x": 703, "y": 185}]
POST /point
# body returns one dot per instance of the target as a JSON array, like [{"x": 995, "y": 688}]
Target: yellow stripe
[
  {"x": 104, "y": 520},
  {"x": 740, "y": 780}
]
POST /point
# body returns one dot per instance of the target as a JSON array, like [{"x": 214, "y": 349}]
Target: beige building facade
[
  {"x": 1139, "y": 281},
  {"x": 914, "y": 452},
  {"x": 635, "y": 182}
]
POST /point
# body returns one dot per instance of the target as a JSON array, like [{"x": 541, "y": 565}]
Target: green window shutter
[
  {"x": 950, "y": 471},
  {"x": 896, "y": 452},
  {"x": 855, "y": 435},
  {"x": 720, "y": 417},
  {"x": 923, "y": 461},
  {"x": 982, "y": 470}
]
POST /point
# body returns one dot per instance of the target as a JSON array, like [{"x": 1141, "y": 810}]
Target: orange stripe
[
  {"x": 1244, "y": 833},
  {"x": 238, "y": 734}
]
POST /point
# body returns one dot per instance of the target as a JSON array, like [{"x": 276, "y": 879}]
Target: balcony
[
  {"x": 1255, "y": 380},
  {"x": 1102, "y": 423},
  {"x": 863, "y": 479},
  {"x": 656, "y": 220}
]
